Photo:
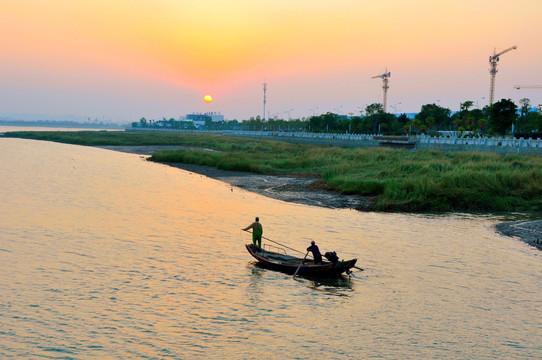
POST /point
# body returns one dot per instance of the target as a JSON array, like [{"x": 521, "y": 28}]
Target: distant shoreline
[{"x": 61, "y": 124}]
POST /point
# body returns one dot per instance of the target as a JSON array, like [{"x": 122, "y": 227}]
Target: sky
[{"x": 123, "y": 60}]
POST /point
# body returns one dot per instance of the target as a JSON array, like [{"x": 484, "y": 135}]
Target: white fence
[
  {"x": 302, "y": 135},
  {"x": 480, "y": 141},
  {"x": 421, "y": 141}
]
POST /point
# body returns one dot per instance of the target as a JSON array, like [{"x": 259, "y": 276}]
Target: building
[{"x": 199, "y": 119}]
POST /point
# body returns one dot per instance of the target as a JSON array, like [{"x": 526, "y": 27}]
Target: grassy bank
[
  {"x": 400, "y": 180},
  {"x": 96, "y": 138}
]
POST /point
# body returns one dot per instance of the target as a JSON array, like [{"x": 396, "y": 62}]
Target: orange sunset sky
[{"x": 123, "y": 60}]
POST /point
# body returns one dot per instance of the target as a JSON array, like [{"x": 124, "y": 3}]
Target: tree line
[{"x": 503, "y": 117}]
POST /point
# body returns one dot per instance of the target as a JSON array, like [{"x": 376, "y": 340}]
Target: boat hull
[{"x": 290, "y": 264}]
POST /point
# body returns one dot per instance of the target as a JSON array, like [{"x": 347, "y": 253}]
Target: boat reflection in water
[{"x": 338, "y": 286}]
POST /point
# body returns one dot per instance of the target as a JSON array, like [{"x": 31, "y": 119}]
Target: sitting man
[{"x": 315, "y": 253}]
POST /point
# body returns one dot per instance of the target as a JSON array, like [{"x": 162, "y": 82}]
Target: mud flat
[
  {"x": 308, "y": 191},
  {"x": 300, "y": 190},
  {"x": 529, "y": 231}
]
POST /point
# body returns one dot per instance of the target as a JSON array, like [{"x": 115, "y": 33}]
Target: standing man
[
  {"x": 315, "y": 253},
  {"x": 257, "y": 231}
]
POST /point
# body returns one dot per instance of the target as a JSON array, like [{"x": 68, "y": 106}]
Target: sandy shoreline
[{"x": 309, "y": 191}]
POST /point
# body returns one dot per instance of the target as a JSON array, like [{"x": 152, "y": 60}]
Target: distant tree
[
  {"x": 403, "y": 119},
  {"x": 430, "y": 122},
  {"x": 386, "y": 121},
  {"x": 373, "y": 116},
  {"x": 525, "y": 106},
  {"x": 477, "y": 113},
  {"x": 375, "y": 108},
  {"x": 330, "y": 121},
  {"x": 502, "y": 115},
  {"x": 440, "y": 115},
  {"x": 463, "y": 114},
  {"x": 482, "y": 125},
  {"x": 415, "y": 125},
  {"x": 396, "y": 126},
  {"x": 533, "y": 122},
  {"x": 316, "y": 123},
  {"x": 465, "y": 106},
  {"x": 233, "y": 124},
  {"x": 325, "y": 122},
  {"x": 209, "y": 123},
  {"x": 343, "y": 124},
  {"x": 360, "y": 125}
]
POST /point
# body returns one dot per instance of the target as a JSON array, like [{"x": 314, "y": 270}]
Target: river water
[{"x": 104, "y": 255}]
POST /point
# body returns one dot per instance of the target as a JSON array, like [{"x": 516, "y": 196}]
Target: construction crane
[
  {"x": 527, "y": 87},
  {"x": 264, "y": 99},
  {"x": 493, "y": 60},
  {"x": 385, "y": 78}
]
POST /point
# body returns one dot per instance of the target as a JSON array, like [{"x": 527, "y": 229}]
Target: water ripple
[{"x": 129, "y": 259}]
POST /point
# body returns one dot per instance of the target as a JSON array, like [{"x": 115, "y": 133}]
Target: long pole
[
  {"x": 287, "y": 247},
  {"x": 273, "y": 241},
  {"x": 301, "y": 263}
]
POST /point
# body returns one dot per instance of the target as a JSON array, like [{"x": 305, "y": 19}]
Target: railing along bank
[
  {"x": 447, "y": 143},
  {"x": 480, "y": 141},
  {"x": 302, "y": 135},
  {"x": 420, "y": 139}
]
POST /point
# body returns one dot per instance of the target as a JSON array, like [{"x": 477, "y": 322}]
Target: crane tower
[
  {"x": 493, "y": 60},
  {"x": 264, "y": 99},
  {"x": 528, "y": 87},
  {"x": 385, "y": 78}
]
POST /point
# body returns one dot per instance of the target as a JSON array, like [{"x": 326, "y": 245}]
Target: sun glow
[
  {"x": 165, "y": 55},
  {"x": 208, "y": 98}
]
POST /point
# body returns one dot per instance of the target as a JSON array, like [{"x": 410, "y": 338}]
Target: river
[{"x": 104, "y": 255}]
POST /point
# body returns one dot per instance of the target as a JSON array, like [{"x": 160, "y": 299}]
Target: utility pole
[
  {"x": 264, "y": 99},
  {"x": 493, "y": 60}
]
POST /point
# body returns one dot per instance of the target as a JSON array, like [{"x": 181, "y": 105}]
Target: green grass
[
  {"x": 95, "y": 138},
  {"x": 400, "y": 180}
]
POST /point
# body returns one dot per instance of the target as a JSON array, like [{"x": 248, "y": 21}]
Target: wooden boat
[{"x": 280, "y": 261}]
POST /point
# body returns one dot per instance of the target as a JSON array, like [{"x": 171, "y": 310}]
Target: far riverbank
[
  {"x": 296, "y": 189},
  {"x": 307, "y": 191},
  {"x": 367, "y": 179},
  {"x": 419, "y": 181}
]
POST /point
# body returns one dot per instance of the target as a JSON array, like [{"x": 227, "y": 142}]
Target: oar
[
  {"x": 302, "y": 261},
  {"x": 358, "y": 268}
]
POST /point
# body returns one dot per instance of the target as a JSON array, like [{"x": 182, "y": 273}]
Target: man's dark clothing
[{"x": 315, "y": 253}]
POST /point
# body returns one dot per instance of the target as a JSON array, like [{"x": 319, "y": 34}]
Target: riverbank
[
  {"x": 296, "y": 189},
  {"x": 529, "y": 231},
  {"x": 374, "y": 179},
  {"x": 311, "y": 191}
]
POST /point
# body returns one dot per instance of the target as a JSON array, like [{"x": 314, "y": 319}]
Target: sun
[{"x": 208, "y": 98}]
